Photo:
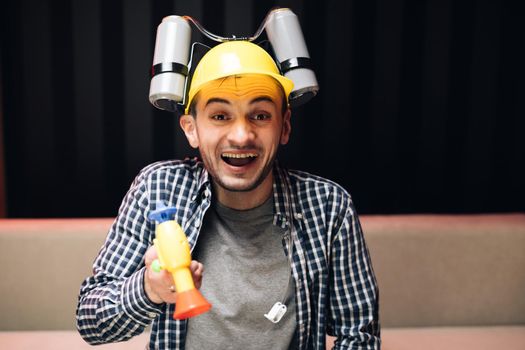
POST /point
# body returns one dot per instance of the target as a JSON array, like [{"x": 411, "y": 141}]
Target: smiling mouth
[{"x": 238, "y": 159}]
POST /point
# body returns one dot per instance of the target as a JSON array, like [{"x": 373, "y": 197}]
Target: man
[{"x": 264, "y": 234}]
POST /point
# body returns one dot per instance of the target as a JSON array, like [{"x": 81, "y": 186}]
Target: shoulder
[
  {"x": 308, "y": 185},
  {"x": 171, "y": 171},
  {"x": 173, "y": 181},
  {"x": 320, "y": 198},
  {"x": 324, "y": 204}
]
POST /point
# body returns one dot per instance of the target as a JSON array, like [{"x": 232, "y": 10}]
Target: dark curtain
[{"x": 421, "y": 107}]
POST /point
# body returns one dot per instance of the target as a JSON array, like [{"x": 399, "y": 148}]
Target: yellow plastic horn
[{"x": 173, "y": 251}]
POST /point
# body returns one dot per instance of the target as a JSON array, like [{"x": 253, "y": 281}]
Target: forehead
[{"x": 242, "y": 88}]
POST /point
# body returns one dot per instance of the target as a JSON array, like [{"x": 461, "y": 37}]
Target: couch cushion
[
  {"x": 433, "y": 270},
  {"x": 448, "y": 270},
  {"x": 454, "y": 338},
  {"x": 44, "y": 262},
  {"x": 62, "y": 340}
]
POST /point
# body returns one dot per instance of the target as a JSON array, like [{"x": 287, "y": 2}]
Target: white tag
[{"x": 276, "y": 313}]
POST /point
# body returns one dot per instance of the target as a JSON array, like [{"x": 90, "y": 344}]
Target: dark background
[{"x": 421, "y": 107}]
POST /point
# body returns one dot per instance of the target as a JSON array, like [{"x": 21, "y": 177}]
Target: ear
[
  {"x": 187, "y": 123},
  {"x": 287, "y": 127}
]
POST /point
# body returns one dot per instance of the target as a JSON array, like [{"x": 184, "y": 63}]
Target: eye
[
  {"x": 219, "y": 117},
  {"x": 261, "y": 116}
]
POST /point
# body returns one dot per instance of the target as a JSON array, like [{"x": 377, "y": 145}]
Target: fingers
[
  {"x": 151, "y": 254},
  {"x": 157, "y": 285}
]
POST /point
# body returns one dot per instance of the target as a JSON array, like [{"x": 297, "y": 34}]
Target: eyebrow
[
  {"x": 255, "y": 100},
  {"x": 261, "y": 99},
  {"x": 217, "y": 100}
]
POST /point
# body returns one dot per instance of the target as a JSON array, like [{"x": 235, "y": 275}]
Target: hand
[{"x": 158, "y": 285}]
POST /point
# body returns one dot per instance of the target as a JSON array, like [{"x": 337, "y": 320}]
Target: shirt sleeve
[
  {"x": 112, "y": 304},
  {"x": 354, "y": 305}
]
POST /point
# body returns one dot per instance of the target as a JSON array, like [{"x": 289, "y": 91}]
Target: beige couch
[{"x": 446, "y": 282}]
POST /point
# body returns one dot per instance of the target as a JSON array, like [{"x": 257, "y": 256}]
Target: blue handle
[{"x": 162, "y": 213}]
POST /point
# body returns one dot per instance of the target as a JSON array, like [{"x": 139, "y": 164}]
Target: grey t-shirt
[{"x": 245, "y": 273}]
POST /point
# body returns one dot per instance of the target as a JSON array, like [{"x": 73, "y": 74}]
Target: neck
[{"x": 248, "y": 199}]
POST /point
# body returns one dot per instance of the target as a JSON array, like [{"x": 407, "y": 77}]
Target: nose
[{"x": 241, "y": 132}]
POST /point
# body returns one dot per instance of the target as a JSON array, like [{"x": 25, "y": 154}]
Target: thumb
[{"x": 197, "y": 269}]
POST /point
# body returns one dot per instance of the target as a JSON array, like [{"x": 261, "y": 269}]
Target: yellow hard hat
[{"x": 235, "y": 58}]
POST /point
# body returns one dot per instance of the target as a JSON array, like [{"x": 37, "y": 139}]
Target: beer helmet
[{"x": 175, "y": 82}]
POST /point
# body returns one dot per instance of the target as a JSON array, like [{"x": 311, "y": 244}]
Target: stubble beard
[{"x": 246, "y": 188}]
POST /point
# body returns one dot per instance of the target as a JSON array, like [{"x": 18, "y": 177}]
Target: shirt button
[
  {"x": 298, "y": 216},
  {"x": 197, "y": 223},
  {"x": 152, "y": 314}
]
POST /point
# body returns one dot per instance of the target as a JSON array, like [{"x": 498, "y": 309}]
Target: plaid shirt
[{"x": 336, "y": 291}]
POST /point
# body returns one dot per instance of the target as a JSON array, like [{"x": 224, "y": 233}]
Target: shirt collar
[
  {"x": 204, "y": 179},
  {"x": 203, "y": 182},
  {"x": 281, "y": 196}
]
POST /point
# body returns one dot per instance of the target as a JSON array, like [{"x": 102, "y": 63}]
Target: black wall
[{"x": 421, "y": 108}]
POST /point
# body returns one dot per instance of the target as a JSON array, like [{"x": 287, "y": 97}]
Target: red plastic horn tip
[{"x": 189, "y": 304}]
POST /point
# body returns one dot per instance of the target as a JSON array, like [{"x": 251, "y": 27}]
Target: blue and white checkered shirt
[{"x": 336, "y": 290}]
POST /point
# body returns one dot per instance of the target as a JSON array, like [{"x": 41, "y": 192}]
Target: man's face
[{"x": 238, "y": 126}]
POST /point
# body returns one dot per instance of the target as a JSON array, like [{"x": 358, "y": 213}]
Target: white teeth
[{"x": 239, "y": 155}]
